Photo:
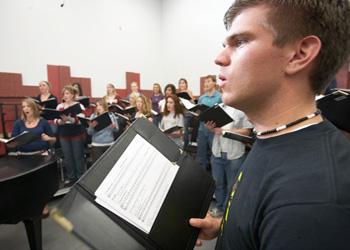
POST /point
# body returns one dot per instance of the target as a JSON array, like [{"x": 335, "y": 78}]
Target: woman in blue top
[
  {"x": 31, "y": 121},
  {"x": 102, "y": 139}
]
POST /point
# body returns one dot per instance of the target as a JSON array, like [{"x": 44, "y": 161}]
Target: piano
[{"x": 27, "y": 183}]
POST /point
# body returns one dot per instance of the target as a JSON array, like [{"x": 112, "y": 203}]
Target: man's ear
[{"x": 303, "y": 54}]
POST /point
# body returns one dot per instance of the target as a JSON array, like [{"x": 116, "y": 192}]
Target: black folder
[
  {"x": 124, "y": 102},
  {"x": 51, "y": 102},
  {"x": 336, "y": 108},
  {"x": 238, "y": 137},
  {"x": 122, "y": 110},
  {"x": 72, "y": 111},
  {"x": 194, "y": 109},
  {"x": 20, "y": 140},
  {"x": 199, "y": 107},
  {"x": 124, "y": 117},
  {"x": 103, "y": 121},
  {"x": 217, "y": 115},
  {"x": 84, "y": 100},
  {"x": 172, "y": 129},
  {"x": 184, "y": 95},
  {"x": 189, "y": 196},
  {"x": 113, "y": 108}
]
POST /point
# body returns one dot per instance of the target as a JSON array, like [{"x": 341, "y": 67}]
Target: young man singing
[{"x": 293, "y": 189}]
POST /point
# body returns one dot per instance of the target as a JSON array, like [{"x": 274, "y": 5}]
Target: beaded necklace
[{"x": 283, "y": 127}]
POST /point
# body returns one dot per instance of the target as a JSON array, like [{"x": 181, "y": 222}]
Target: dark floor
[{"x": 13, "y": 237}]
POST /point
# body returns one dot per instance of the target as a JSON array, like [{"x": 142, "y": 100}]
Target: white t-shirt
[{"x": 233, "y": 148}]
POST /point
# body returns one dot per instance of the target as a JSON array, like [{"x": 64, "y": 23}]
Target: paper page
[
  {"x": 137, "y": 185},
  {"x": 187, "y": 103}
]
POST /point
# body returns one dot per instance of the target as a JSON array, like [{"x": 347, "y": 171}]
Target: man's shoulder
[{"x": 309, "y": 168}]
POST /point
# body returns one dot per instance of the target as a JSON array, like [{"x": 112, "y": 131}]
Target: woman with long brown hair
[{"x": 173, "y": 116}]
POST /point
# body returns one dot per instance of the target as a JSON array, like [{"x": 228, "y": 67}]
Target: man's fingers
[{"x": 199, "y": 223}]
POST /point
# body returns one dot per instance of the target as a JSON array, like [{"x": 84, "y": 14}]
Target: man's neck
[
  {"x": 281, "y": 111},
  {"x": 274, "y": 120},
  {"x": 211, "y": 92}
]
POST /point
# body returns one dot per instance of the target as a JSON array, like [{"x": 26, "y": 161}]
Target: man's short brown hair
[
  {"x": 212, "y": 77},
  {"x": 294, "y": 19}
]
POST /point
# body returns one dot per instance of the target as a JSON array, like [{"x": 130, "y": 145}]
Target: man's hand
[
  {"x": 210, "y": 125},
  {"x": 209, "y": 227}
]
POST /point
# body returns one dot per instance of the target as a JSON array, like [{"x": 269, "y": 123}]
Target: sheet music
[
  {"x": 187, "y": 103},
  {"x": 138, "y": 183}
]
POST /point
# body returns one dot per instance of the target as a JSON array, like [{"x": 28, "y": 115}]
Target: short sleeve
[
  {"x": 17, "y": 128},
  {"x": 46, "y": 127}
]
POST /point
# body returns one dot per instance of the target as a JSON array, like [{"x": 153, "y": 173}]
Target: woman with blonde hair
[
  {"x": 134, "y": 90},
  {"x": 72, "y": 137},
  {"x": 112, "y": 96},
  {"x": 143, "y": 107},
  {"x": 31, "y": 121},
  {"x": 183, "y": 88},
  {"x": 45, "y": 95},
  {"x": 101, "y": 140}
]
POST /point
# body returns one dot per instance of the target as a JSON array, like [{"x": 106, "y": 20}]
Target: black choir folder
[
  {"x": 71, "y": 110},
  {"x": 51, "y": 102},
  {"x": 193, "y": 107},
  {"x": 172, "y": 129},
  {"x": 84, "y": 100},
  {"x": 336, "y": 108},
  {"x": 238, "y": 137},
  {"x": 189, "y": 196},
  {"x": 129, "y": 110},
  {"x": 20, "y": 140},
  {"x": 184, "y": 95},
  {"x": 103, "y": 121},
  {"x": 217, "y": 115}
]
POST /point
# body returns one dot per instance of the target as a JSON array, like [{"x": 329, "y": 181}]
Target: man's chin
[
  {"x": 231, "y": 101},
  {"x": 227, "y": 99}
]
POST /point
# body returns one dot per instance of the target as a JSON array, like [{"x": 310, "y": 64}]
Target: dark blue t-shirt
[
  {"x": 42, "y": 127},
  {"x": 293, "y": 193}
]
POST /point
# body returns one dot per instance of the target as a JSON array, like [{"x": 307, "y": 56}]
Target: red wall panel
[
  {"x": 11, "y": 86},
  {"x": 122, "y": 93},
  {"x": 147, "y": 93},
  {"x": 53, "y": 77},
  {"x": 60, "y": 76},
  {"x": 131, "y": 77}
]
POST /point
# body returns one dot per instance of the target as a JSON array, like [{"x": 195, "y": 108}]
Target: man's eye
[{"x": 240, "y": 42}]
